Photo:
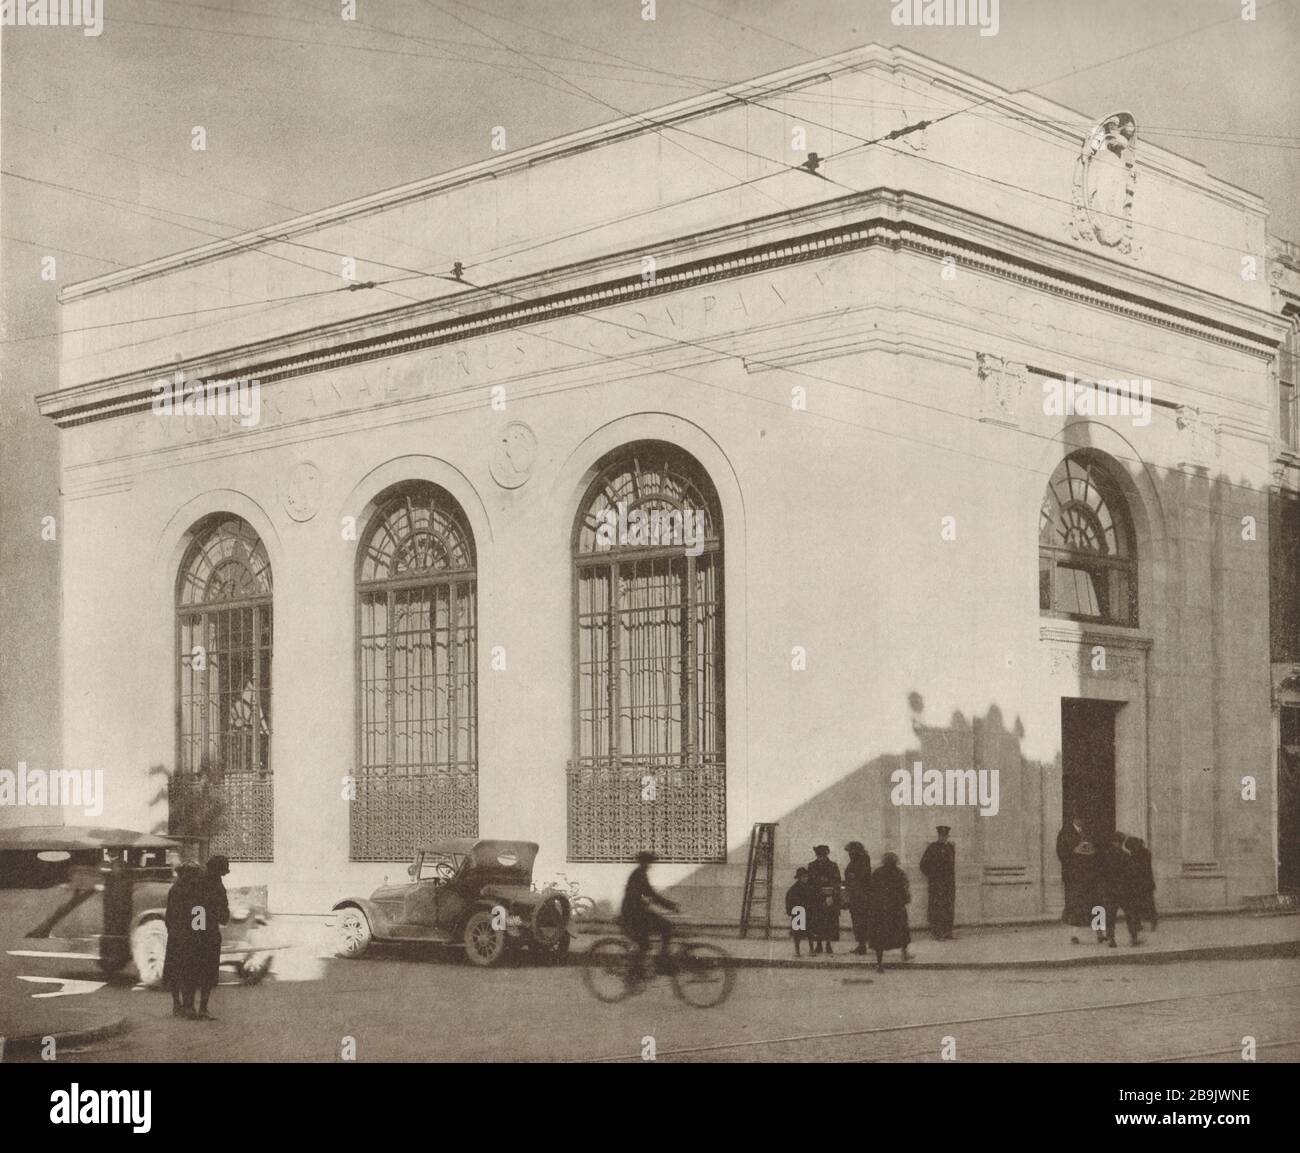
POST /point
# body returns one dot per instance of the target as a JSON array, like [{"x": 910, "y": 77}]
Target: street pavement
[
  {"x": 402, "y": 1007},
  {"x": 421, "y": 1004}
]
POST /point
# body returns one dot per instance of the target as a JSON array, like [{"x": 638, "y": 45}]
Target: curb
[
  {"x": 28, "y": 1042},
  {"x": 1123, "y": 955}
]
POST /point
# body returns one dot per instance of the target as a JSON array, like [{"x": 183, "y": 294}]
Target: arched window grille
[
  {"x": 1087, "y": 561},
  {"x": 417, "y": 777},
  {"x": 649, "y": 770},
  {"x": 223, "y": 787}
]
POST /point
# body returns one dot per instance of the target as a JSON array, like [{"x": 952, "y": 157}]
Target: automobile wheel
[
  {"x": 550, "y": 929},
  {"x": 254, "y": 967},
  {"x": 149, "y": 952},
  {"x": 352, "y": 933},
  {"x": 484, "y": 945}
]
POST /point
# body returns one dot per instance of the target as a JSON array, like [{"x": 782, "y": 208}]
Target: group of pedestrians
[
  {"x": 1103, "y": 879},
  {"x": 877, "y": 900},
  {"x": 197, "y": 907}
]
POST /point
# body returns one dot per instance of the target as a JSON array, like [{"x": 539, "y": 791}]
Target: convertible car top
[{"x": 475, "y": 894}]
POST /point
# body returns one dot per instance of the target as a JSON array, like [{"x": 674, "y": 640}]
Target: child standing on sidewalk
[{"x": 799, "y": 899}]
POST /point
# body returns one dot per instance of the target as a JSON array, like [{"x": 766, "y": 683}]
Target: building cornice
[
  {"x": 1040, "y": 116},
  {"x": 879, "y": 218}
]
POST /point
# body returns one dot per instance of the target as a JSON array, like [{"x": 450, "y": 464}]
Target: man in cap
[
  {"x": 637, "y": 916},
  {"x": 939, "y": 864}
]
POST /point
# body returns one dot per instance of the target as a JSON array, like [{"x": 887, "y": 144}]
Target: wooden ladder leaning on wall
[{"x": 758, "y": 888}]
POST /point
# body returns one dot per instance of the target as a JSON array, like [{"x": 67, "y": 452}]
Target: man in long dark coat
[
  {"x": 939, "y": 864},
  {"x": 180, "y": 963},
  {"x": 1144, "y": 879},
  {"x": 1120, "y": 890},
  {"x": 1078, "y": 857},
  {"x": 824, "y": 876},
  {"x": 887, "y": 924},
  {"x": 217, "y": 913},
  {"x": 857, "y": 889}
]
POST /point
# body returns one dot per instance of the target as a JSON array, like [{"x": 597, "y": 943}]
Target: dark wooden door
[{"x": 1088, "y": 765}]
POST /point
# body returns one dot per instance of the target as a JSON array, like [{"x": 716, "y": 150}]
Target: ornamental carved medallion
[
  {"x": 301, "y": 491},
  {"x": 514, "y": 455},
  {"x": 1105, "y": 179}
]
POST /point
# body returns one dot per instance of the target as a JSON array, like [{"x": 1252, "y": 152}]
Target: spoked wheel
[
  {"x": 608, "y": 968},
  {"x": 352, "y": 933},
  {"x": 551, "y": 931},
  {"x": 484, "y": 945},
  {"x": 702, "y": 975}
]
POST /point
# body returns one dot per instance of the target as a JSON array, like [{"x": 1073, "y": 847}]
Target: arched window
[
  {"x": 1087, "y": 562},
  {"x": 417, "y": 777},
  {"x": 222, "y": 789},
  {"x": 650, "y": 764}
]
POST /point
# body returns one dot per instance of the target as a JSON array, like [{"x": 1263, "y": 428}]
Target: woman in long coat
[
  {"x": 887, "y": 922},
  {"x": 857, "y": 889},
  {"x": 180, "y": 962},
  {"x": 208, "y": 941},
  {"x": 824, "y": 876}
]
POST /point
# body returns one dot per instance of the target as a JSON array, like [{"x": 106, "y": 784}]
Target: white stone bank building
[{"x": 624, "y": 491}]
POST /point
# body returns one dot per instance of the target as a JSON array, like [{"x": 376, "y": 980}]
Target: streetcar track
[
  {"x": 945, "y": 1024},
  {"x": 1225, "y": 1052}
]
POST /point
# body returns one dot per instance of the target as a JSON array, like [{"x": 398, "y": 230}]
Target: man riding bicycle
[{"x": 637, "y": 916}]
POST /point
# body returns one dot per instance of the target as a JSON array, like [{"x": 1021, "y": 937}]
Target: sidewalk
[
  {"x": 1187, "y": 938},
  {"x": 25, "y": 1022}
]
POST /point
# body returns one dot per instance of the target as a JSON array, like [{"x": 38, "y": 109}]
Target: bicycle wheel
[
  {"x": 607, "y": 967},
  {"x": 702, "y": 975}
]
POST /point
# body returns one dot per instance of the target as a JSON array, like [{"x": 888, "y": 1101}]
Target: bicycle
[
  {"x": 701, "y": 974},
  {"x": 582, "y": 908}
]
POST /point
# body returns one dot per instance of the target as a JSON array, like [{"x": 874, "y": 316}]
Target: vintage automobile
[
  {"x": 473, "y": 894},
  {"x": 100, "y": 894}
]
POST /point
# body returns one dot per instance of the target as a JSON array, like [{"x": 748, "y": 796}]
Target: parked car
[
  {"x": 471, "y": 894},
  {"x": 109, "y": 902}
]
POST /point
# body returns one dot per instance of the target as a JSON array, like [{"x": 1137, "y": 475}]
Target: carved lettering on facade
[{"x": 1079, "y": 662}]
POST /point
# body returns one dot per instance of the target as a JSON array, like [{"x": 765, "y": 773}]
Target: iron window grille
[
  {"x": 417, "y": 755},
  {"x": 223, "y": 788},
  {"x": 1087, "y": 563},
  {"x": 649, "y": 770}
]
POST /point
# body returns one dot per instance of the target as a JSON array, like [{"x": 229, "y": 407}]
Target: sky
[{"x": 303, "y": 108}]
